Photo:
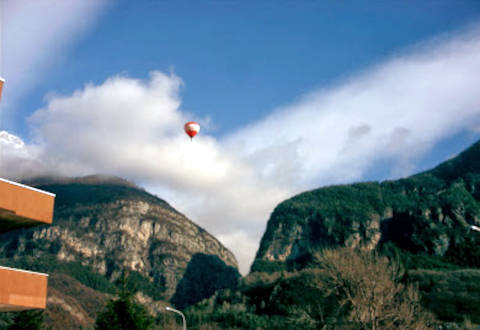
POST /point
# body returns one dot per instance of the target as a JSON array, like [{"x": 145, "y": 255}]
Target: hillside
[
  {"x": 428, "y": 213},
  {"x": 423, "y": 222},
  {"x": 105, "y": 228}
]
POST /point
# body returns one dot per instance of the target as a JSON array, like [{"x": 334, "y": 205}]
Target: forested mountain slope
[
  {"x": 105, "y": 228},
  {"x": 428, "y": 213}
]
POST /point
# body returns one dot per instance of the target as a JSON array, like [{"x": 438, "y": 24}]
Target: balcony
[
  {"x": 22, "y": 290},
  {"x": 23, "y": 206}
]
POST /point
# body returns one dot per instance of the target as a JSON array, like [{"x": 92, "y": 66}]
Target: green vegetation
[
  {"x": 67, "y": 195},
  {"x": 204, "y": 275},
  {"x": 123, "y": 312},
  {"x": 267, "y": 266},
  {"x": 49, "y": 264},
  {"x": 452, "y": 295},
  {"x": 411, "y": 261},
  {"x": 336, "y": 291},
  {"x": 422, "y": 214},
  {"x": 421, "y": 223},
  {"x": 328, "y": 214},
  {"x": 85, "y": 274},
  {"x": 30, "y": 319},
  {"x": 137, "y": 282},
  {"x": 428, "y": 213}
]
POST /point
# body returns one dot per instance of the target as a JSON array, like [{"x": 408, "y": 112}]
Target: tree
[
  {"x": 204, "y": 275},
  {"x": 124, "y": 313},
  {"x": 31, "y": 319},
  {"x": 369, "y": 293}
]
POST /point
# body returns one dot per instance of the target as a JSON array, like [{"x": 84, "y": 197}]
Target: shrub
[{"x": 124, "y": 312}]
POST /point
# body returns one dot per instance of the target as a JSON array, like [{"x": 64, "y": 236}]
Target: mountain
[
  {"x": 105, "y": 228},
  {"x": 422, "y": 223},
  {"x": 429, "y": 213},
  {"x": 71, "y": 304}
]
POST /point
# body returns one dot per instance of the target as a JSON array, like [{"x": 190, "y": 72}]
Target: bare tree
[{"x": 368, "y": 292}]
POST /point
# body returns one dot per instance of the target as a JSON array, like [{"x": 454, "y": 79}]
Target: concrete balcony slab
[
  {"x": 23, "y": 206},
  {"x": 22, "y": 290}
]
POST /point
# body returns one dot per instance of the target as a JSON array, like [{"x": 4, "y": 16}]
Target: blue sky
[
  {"x": 291, "y": 96},
  {"x": 239, "y": 60}
]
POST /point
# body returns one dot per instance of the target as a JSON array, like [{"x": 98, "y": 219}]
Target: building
[{"x": 21, "y": 207}]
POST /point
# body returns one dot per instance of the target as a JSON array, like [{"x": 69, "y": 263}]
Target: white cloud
[
  {"x": 398, "y": 109},
  {"x": 16, "y": 159},
  {"x": 245, "y": 244},
  {"x": 133, "y": 128},
  {"x": 36, "y": 34}
]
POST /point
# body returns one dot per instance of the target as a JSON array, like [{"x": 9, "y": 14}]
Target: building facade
[{"x": 22, "y": 207}]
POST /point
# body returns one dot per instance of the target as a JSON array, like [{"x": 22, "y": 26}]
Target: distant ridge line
[{"x": 87, "y": 180}]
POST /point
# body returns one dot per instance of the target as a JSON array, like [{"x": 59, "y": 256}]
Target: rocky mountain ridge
[
  {"x": 114, "y": 227},
  {"x": 428, "y": 213}
]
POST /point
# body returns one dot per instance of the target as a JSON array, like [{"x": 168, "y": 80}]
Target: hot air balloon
[
  {"x": 1, "y": 86},
  {"x": 191, "y": 128}
]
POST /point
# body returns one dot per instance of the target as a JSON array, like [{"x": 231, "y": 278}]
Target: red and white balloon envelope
[
  {"x": 192, "y": 128},
  {"x": 1, "y": 86}
]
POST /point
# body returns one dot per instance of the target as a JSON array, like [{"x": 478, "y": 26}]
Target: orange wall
[
  {"x": 22, "y": 289},
  {"x": 26, "y": 202}
]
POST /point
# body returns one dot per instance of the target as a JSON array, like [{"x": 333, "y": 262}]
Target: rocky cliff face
[
  {"x": 113, "y": 226},
  {"x": 429, "y": 213}
]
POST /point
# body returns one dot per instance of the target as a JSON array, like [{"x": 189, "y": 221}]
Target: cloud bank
[
  {"x": 397, "y": 110},
  {"x": 133, "y": 128}
]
